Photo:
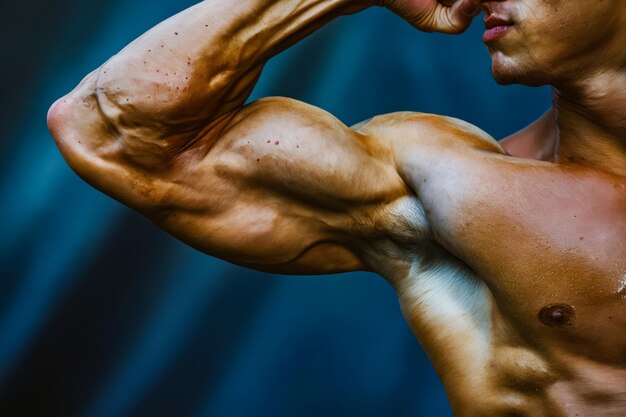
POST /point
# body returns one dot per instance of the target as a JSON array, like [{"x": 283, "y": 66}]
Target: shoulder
[{"x": 428, "y": 131}]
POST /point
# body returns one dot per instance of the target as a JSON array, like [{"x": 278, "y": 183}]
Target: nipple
[{"x": 556, "y": 315}]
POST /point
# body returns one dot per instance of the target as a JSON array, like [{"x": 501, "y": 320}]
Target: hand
[{"x": 446, "y": 16}]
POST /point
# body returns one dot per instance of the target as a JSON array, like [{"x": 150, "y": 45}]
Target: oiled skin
[{"x": 509, "y": 259}]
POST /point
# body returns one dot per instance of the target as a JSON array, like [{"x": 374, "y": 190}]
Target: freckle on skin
[
  {"x": 257, "y": 159},
  {"x": 175, "y": 33},
  {"x": 276, "y": 143},
  {"x": 268, "y": 141}
]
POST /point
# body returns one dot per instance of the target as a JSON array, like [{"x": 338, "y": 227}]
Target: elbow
[
  {"x": 54, "y": 119},
  {"x": 74, "y": 124},
  {"x": 88, "y": 146},
  {"x": 61, "y": 121},
  {"x": 58, "y": 121},
  {"x": 71, "y": 115}
]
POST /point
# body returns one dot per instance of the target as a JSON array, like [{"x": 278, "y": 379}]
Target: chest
[{"x": 550, "y": 245}]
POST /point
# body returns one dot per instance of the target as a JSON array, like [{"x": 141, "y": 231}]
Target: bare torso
[{"x": 527, "y": 272}]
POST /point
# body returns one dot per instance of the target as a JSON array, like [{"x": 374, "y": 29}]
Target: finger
[{"x": 458, "y": 17}]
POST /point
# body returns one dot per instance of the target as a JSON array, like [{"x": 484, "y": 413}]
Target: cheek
[
  {"x": 547, "y": 41},
  {"x": 560, "y": 30}
]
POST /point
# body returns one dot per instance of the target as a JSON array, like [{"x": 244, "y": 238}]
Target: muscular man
[{"x": 509, "y": 259}]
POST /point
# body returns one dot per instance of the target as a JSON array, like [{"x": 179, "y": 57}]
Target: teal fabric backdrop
[{"x": 104, "y": 315}]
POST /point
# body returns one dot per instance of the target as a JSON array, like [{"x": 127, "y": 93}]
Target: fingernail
[{"x": 470, "y": 8}]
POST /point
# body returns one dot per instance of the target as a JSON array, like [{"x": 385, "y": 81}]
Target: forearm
[{"x": 204, "y": 61}]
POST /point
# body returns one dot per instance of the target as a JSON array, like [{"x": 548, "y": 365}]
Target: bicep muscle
[{"x": 285, "y": 188}]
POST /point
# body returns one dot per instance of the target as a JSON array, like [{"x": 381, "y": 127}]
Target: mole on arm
[{"x": 556, "y": 315}]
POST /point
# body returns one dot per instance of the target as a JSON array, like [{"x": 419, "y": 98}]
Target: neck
[{"x": 591, "y": 120}]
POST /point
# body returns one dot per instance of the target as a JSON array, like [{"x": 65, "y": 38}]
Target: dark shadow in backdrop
[{"x": 103, "y": 315}]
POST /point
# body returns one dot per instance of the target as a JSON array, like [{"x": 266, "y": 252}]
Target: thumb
[{"x": 458, "y": 17}]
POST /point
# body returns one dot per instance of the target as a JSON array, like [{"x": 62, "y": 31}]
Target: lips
[{"x": 497, "y": 27}]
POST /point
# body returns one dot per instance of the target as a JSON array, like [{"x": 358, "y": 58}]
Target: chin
[{"x": 506, "y": 70}]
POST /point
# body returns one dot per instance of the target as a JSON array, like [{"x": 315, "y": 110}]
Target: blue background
[{"x": 104, "y": 315}]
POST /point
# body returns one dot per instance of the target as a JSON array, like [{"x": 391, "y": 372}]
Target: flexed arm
[{"x": 277, "y": 185}]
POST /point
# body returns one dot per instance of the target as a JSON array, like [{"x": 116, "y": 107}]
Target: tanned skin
[{"x": 508, "y": 258}]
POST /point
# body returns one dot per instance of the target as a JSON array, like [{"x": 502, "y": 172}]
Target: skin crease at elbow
[{"x": 508, "y": 257}]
